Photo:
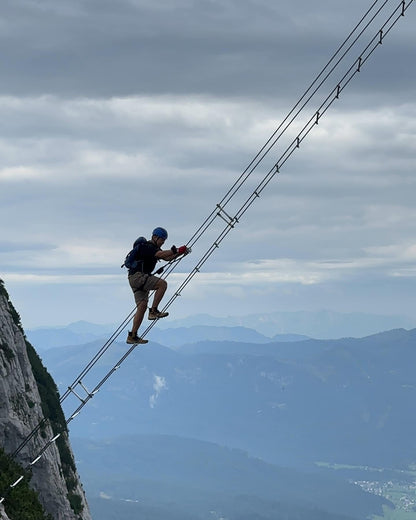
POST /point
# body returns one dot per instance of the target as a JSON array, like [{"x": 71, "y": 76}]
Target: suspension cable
[
  {"x": 238, "y": 184},
  {"x": 219, "y": 212},
  {"x": 261, "y": 154}
]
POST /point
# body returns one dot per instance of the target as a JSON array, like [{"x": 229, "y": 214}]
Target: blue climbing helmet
[{"x": 160, "y": 232}]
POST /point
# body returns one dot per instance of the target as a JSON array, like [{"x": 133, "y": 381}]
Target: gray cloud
[
  {"x": 116, "y": 117},
  {"x": 229, "y": 48}
]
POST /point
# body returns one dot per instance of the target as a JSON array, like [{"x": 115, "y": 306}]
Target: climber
[{"x": 141, "y": 279}]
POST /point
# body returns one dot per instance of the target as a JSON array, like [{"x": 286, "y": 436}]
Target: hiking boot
[
  {"x": 155, "y": 314},
  {"x": 135, "y": 340}
]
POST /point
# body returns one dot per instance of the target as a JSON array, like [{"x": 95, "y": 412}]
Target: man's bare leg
[
  {"x": 154, "y": 313},
  {"x": 138, "y": 317},
  {"x": 159, "y": 293}
]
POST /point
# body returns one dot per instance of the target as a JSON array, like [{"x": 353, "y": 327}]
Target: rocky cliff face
[
  {"x": 28, "y": 395},
  {"x": 3, "y": 515}
]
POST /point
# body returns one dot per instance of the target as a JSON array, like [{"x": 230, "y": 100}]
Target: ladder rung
[{"x": 17, "y": 481}]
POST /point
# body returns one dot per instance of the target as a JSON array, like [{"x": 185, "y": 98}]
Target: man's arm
[{"x": 171, "y": 254}]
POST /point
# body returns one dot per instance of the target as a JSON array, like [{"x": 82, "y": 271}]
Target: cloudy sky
[{"x": 117, "y": 116}]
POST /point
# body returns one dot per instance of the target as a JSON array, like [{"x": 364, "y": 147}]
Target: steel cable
[{"x": 232, "y": 221}]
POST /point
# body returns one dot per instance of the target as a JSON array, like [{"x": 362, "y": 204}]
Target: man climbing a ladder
[{"x": 140, "y": 262}]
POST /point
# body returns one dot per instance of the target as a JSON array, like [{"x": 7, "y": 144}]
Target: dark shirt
[{"x": 146, "y": 258}]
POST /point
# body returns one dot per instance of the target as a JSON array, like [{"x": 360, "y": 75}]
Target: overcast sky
[{"x": 118, "y": 116}]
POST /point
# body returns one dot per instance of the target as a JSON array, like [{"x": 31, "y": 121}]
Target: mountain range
[
  {"x": 305, "y": 404},
  {"x": 256, "y": 328},
  {"x": 289, "y": 403},
  {"x": 79, "y": 333}
]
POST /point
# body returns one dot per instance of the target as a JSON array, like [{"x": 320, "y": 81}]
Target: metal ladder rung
[
  {"x": 89, "y": 394},
  {"x": 227, "y": 218},
  {"x": 55, "y": 438},
  {"x": 17, "y": 481},
  {"x": 35, "y": 460}
]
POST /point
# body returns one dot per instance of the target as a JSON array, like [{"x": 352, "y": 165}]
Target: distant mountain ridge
[
  {"x": 346, "y": 401},
  {"x": 291, "y": 403},
  {"x": 324, "y": 324},
  {"x": 76, "y": 333},
  {"x": 277, "y": 326},
  {"x": 80, "y": 333}
]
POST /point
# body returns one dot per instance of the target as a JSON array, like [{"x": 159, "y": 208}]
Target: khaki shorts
[{"x": 141, "y": 284}]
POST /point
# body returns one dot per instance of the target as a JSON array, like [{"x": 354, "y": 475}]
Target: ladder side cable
[
  {"x": 227, "y": 198},
  {"x": 230, "y": 224},
  {"x": 235, "y": 187},
  {"x": 273, "y": 139},
  {"x": 334, "y": 95}
]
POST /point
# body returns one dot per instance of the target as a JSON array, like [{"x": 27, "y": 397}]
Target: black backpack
[{"x": 133, "y": 259}]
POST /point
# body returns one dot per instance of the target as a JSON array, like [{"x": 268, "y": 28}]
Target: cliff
[{"x": 28, "y": 395}]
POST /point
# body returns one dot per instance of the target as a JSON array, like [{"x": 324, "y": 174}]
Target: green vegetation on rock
[
  {"x": 51, "y": 409},
  {"x": 21, "y": 502}
]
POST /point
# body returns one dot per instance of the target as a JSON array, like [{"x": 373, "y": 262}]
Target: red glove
[{"x": 182, "y": 250}]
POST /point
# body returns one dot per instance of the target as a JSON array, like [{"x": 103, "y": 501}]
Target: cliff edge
[{"x": 28, "y": 395}]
